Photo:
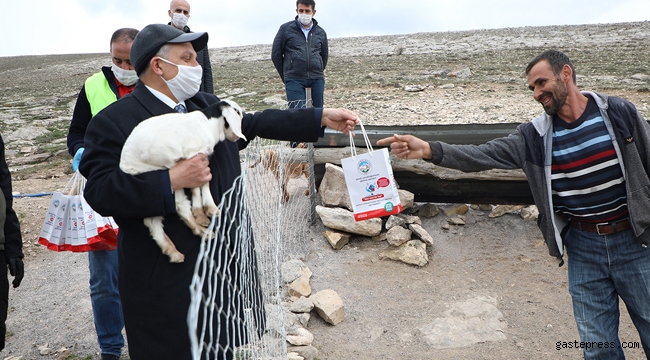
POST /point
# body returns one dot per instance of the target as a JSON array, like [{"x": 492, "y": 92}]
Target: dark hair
[
  {"x": 556, "y": 59},
  {"x": 124, "y": 34},
  {"x": 311, "y": 3}
]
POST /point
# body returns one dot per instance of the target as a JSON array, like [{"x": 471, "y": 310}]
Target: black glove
[{"x": 17, "y": 270}]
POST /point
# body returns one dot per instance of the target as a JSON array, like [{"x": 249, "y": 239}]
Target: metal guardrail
[{"x": 451, "y": 134}]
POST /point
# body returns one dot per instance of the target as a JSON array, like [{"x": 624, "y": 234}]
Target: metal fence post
[{"x": 312, "y": 176}]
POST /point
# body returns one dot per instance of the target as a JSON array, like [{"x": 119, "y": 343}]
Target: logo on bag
[
  {"x": 74, "y": 207},
  {"x": 56, "y": 203},
  {"x": 371, "y": 188},
  {"x": 364, "y": 166},
  {"x": 389, "y": 207}
]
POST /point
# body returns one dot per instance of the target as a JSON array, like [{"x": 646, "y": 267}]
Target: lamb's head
[{"x": 231, "y": 114}]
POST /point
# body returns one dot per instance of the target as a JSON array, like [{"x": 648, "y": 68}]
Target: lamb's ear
[
  {"x": 233, "y": 116},
  {"x": 214, "y": 110}
]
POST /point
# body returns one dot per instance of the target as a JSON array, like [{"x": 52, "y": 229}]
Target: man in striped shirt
[{"x": 587, "y": 160}]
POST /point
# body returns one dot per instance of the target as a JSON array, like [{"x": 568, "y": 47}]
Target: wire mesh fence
[{"x": 237, "y": 291}]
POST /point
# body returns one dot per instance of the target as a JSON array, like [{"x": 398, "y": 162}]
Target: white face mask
[
  {"x": 126, "y": 77},
  {"x": 179, "y": 20},
  {"x": 186, "y": 83},
  {"x": 305, "y": 19}
]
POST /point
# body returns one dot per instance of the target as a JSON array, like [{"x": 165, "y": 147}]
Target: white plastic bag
[
  {"x": 370, "y": 182},
  {"x": 72, "y": 225}
]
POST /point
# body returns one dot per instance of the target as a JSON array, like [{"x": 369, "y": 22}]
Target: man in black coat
[
  {"x": 11, "y": 243},
  {"x": 299, "y": 54},
  {"x": 154, "y": 292},
  {"x": 179, "y": 13}
]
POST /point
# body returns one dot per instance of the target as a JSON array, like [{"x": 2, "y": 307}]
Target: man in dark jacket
[
  {"x": 11, "y": 243},
  {"x": 179, "y": 12},
  {"x": 300, "y": 54},
  {"x": 100, "y": 90},
  {"x": 587, "y": 160},
  {"x": 156, "y": 293}
]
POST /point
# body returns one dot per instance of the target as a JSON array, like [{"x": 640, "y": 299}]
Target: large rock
[
  {"x": 307, "y": 352},
  {"x": 341, "y": 219},
  {"x": 292, "y": 269},
  {"x": 457, "y": 209},
  {"x": 336, "y": 239},
  {"x": 413, "y": 252},
  {"x": 302, "y": 305},
  {"x": 406, "y": 198},
  {"x": 428, "y": 210},
  {"x": 300, "y": 286},
  {"x": 465, "y": 323},
  {"x": 529, "y": 213},
  {"x": 299, "y": 336},
  {"x": 501, "y": 210},
  {"x": 393, "y": 221},
  {"x": 329, "y": 306},
  {"x": 332, "y": 189},
  {"x": 398, "y": 235},
  {"x": 422, "y": 234}
]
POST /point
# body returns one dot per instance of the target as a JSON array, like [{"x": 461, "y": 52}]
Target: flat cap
[{"x": 150, "y": 39}]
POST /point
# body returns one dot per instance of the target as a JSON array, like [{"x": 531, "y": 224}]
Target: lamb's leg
[
  {"x": 197, "y": 208},
  {"x": 155, "y": 226},
  {"x": 209, "y": 206},
  {"x": 285, "y": 194},
  {"x": 184, "y": 210}
]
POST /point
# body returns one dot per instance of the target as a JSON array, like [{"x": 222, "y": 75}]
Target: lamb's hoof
[
  {"x": 307, "y": 192},
  {"x": 201, "y": 218},
  {"x": 211, "y": 211},
  {"x": 208, "y": 234},
  {"x": 176, "y": 257}
]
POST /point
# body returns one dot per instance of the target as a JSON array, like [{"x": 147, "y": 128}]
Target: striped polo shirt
[{"x": 586, "y": 178}]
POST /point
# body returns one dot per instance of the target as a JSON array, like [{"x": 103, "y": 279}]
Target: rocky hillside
[{"x": 445, "y": 77}]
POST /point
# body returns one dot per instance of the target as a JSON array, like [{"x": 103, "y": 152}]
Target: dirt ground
[{"x": 389, "y": 305}]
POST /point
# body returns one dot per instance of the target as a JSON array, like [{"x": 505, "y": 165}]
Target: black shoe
[{"x": 110, "y": 357}]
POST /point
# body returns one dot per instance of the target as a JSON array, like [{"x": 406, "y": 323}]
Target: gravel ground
[{"x": 387, "y": 303}]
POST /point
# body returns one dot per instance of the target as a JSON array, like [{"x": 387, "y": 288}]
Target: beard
[{"x": 558, "y": 99}]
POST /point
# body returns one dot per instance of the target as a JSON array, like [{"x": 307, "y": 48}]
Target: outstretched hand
[
  {"x": 407, "y": 147},
  {"x": 342, "y": 120}
]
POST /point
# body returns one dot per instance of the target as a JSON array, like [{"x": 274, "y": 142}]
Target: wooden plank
[{"x": 428, "y": 188}]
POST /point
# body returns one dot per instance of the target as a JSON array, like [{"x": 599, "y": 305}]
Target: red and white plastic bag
[
  {"x": 72, "y": 225},
  {"x": 370, "y": 182}
]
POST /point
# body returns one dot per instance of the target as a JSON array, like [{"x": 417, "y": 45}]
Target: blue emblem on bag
[{"x": 364, "y": 166}]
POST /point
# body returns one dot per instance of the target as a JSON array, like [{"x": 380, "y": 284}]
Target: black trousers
[{"x": 4, "y": 298}]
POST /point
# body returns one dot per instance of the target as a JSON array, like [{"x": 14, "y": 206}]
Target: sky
[{"x": 43, "y": 27}]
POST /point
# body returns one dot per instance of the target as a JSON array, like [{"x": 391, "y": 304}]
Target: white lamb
[{"x": 161, "y": 141}]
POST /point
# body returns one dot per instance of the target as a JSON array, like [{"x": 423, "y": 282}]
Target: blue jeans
[
  {"x": 105, "y": 299},
  {"x": 296, "y": 92},
  {"x": 296, "y": 96},
  {"x": 603, "y": 268}
]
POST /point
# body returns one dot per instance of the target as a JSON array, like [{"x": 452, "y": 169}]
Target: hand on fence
[
  {"x": 17, "y": 270},
  {"x": 407, "y": 147}
]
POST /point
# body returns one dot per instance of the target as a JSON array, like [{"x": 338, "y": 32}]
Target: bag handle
[
  {"x": 353, "y": 148},
  {"x": 75, "y": 185}
]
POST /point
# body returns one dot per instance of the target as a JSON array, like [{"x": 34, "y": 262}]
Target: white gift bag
[
  {"x": 72, "y": 225},
  {"x": 370, "y": 182},
  {"x": 52, "y": 234}
]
